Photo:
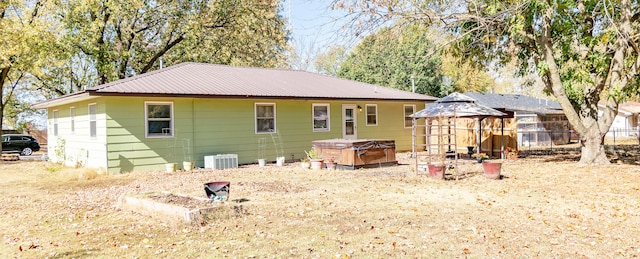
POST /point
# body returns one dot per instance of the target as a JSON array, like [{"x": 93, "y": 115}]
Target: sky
[{"x": 315, "y": 28}]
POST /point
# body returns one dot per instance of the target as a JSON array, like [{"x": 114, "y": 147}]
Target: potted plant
[
  {"x": 437, "y": 169},
  {"x": 316, "y": 160},
  {"x": 304, "y": 163},
  {"x": 491, "y": 169},
  {"x": 188, "y": 165},
  {"x": 331, "y": 164},
  {"x": 511, "y": 153},
  {"x": 480, "y": 157}
]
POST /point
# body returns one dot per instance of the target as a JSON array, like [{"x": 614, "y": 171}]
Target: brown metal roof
[{"x": 228, "y": 81}]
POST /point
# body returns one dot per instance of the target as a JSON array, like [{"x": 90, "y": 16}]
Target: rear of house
[{"x": 189, "y": 111}]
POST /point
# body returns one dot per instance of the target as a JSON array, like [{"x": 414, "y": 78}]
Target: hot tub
[{"x": 357, "y": 153}]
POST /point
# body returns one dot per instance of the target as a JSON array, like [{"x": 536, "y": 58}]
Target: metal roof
[
  {"x": 516, "y": 102},
  {"x": 629, "y": 107},
  {"x": 210, "y": 80},
  {"x": 457, "y": 105}
]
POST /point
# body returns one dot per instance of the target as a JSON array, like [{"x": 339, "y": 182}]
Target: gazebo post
[
  {"x": 502, "y": 137},
  {"x": 413, "y": 138},
  {"x": 478, "y": 135}
]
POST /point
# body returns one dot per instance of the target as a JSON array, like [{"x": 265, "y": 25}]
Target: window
[
  {"x": 265, "y": 117},
  {"x": 55, "y": 123},
  {"x": 408, "y": 110},
  {"x": 372, "y": 114},
  {"x": 321, "y": 117},
  {"x": 72, "y": 115},
  {"x": 92, "y": 121},
  {"x": 159, "y": 119}
]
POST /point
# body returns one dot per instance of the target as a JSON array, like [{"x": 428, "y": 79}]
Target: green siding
[
  {"x": 217, "y": 126},
  {"x": 79, "y": 147}
]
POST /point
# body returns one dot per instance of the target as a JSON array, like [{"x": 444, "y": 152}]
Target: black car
[{"x": 19, "y": 143}]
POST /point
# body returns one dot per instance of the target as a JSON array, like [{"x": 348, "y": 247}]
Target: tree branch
[{"x": 160, "y": 53}]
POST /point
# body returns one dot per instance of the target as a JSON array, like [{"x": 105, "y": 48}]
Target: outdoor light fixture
[{"x": 359, "y": 108}]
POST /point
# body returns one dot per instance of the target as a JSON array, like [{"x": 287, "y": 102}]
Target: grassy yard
[{"x": 542, "y": 207}]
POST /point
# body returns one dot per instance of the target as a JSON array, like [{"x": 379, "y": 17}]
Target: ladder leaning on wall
[{"x": 277, "y": 144}]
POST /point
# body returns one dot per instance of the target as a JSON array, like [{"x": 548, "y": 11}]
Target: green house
[{"x": 192, "y": 110}]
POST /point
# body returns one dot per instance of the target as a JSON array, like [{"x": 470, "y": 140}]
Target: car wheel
[{"x": 26, "y": 151}]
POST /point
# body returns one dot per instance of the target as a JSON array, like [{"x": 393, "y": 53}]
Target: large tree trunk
[{"x": 592, "y": 147}]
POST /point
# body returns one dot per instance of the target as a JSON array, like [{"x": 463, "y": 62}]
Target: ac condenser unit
[{"x": 222, "y": 161}]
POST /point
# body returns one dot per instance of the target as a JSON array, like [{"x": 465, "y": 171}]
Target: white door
[{"x": 349, "y": 124}]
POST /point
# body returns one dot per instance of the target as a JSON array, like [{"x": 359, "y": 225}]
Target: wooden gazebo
[{"x": 445, "y": 113}]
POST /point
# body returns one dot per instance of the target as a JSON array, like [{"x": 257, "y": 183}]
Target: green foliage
[
  {"x": 27, "y": 47},
  {"x": 392, "y": 57},
  {"x": 465, "y": 77},
  {"x": 329, "y": 62},
  {"x": 584, "y": 51},
  {"x": 124, "y": 38},
  {"x": 61, "y": 151}
]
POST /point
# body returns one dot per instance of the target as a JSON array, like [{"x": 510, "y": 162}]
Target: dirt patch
[{"x": 542, "y": 208}]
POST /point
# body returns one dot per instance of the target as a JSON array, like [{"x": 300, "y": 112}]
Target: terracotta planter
[
  {"x": 317, "y": 164},
  {"x": 491, "y": 169},
  {"x": 436, "y": 171}
]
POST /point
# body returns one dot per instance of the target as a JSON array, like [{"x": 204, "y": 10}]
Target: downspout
[{"x": 193, "y": 130}]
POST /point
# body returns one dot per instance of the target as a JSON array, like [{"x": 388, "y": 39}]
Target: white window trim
[
  {"x": 146, "y": 120},
  {"x": 366, "y": 115},
  {"x": 328, "y": 117},
  {"x": 255, "y": 118},
  {"x": 56, "y": 126},
  {"x": 94, "y": 119},
  {"x": 72, "y": 119},
  {"x": 404, "y": 116}
]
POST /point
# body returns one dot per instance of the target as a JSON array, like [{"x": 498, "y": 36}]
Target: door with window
[{"x": 349, "y": 123}]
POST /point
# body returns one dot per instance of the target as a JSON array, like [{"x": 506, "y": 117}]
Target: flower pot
[
  {"x": 262, "y": 162},
  {"x": 436, "y": 171},
  {"x": 331, "y": 166},
  {"x": 305, "y": 165},
  {"x": 187, "y": 166},
  {"x": 491, "y": 169},
  {"x": 316, "y": 164},
  {"x": 217, "y": 191},
  {"x": 280, "y": 161},
  {"x": 171, "y": 167}
]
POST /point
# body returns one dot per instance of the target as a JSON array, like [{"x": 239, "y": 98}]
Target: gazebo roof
[{"x": 457, "y": 105}]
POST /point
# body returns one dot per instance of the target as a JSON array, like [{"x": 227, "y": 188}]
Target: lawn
[{"x": 543, "y": 207}]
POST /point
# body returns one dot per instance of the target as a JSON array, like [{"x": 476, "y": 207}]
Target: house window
[
  {"x": 92, "y": 121},
  {"x": 159, "y": 119},
  {"x": 265, "y": 117},
  {"x": 72, "y": 117},
  {"x": 372, "y": 114},
  {"x": 408, "y": 110},
  {"x": 55, "y": 123},
  {"x": 321, "y": 117}
]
